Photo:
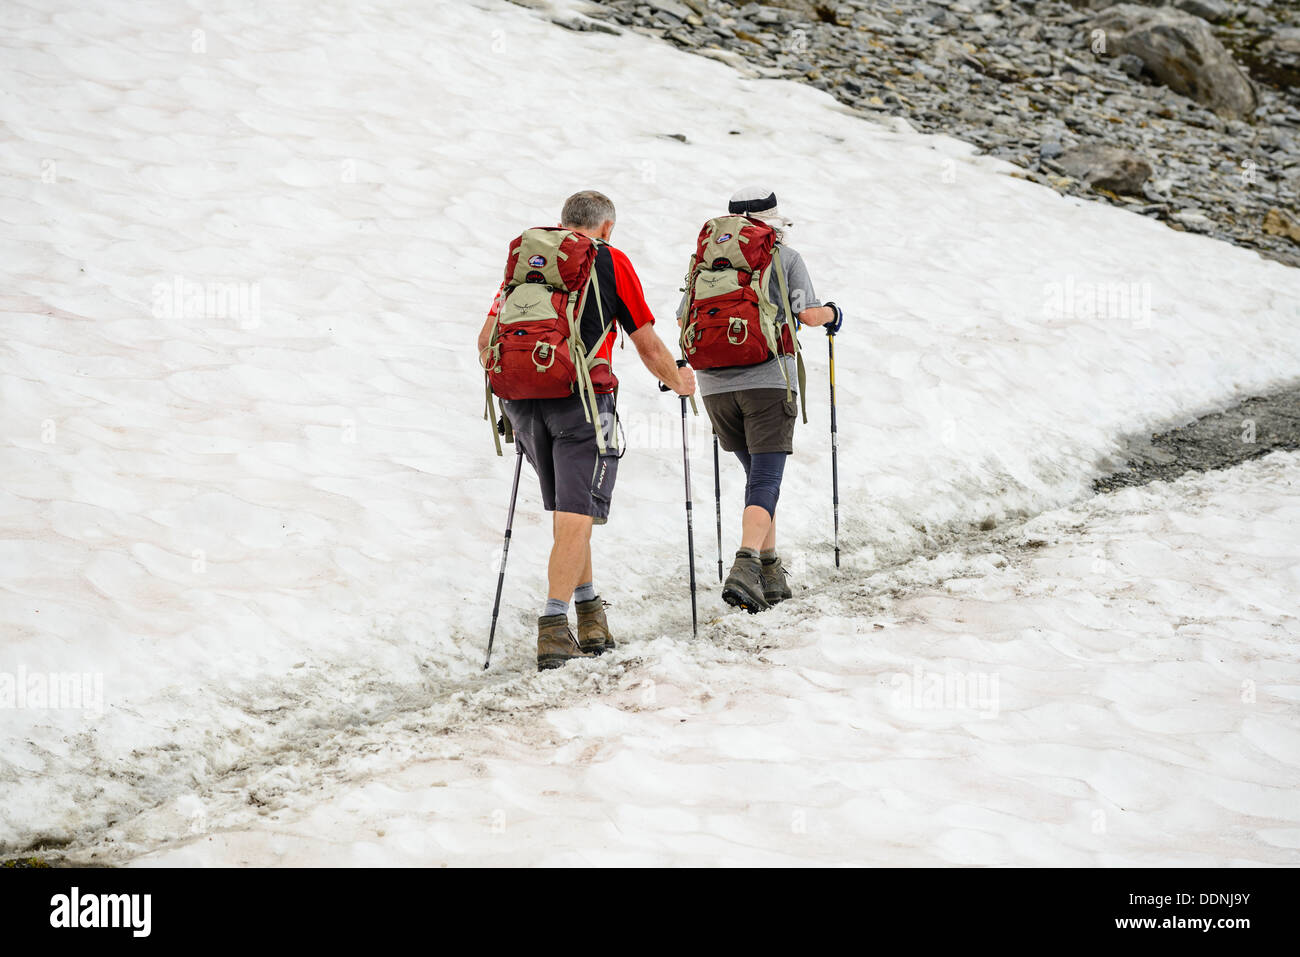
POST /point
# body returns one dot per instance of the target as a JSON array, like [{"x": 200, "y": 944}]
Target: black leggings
[{"x": 763, "y": 472}]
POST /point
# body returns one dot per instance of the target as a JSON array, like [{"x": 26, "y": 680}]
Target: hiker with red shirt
[{"x": 570, "y": 439}]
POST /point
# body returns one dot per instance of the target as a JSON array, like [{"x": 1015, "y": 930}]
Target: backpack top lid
[
  {"x": 553, "y": 256},
  {"x": 735, "y": 242}
]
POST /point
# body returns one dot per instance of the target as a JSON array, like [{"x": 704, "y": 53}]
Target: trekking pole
[
  {"x": 835, "y": 461},
  {"x": 690, "y": 524},
  {"x": 690, "y": 531},
  {"x": 505, "y": 551},
  {"x": 717, "y": 498}
]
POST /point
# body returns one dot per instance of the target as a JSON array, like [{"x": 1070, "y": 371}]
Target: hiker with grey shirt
[{"x": 734, "y": 333}]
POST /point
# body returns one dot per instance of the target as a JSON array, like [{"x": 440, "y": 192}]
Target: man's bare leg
[
  {"x": 570, "y": 560},
  {"x": 570, "y": 564}
]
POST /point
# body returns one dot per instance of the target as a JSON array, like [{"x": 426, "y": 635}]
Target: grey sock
[
  {"x": 747, "y": 552},
  {"x": 768, "y": 555},
  {"x": 555, "y": 607},
  {"x": 585, "y": 592}
]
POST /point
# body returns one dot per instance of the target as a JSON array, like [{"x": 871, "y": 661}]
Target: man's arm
[
  {"x": 485, "y": 334},
  {"x": 656, "y": 357},
  {"x": 638, "y": 323}
]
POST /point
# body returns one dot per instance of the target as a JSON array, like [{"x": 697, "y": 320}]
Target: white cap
[{"x": 757, "y": 202}]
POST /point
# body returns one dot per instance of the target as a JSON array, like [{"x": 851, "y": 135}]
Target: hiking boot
[
  {"x": 593, "y": 629},
  {"x": 775, "y": 587},
  {"x": 744, "y": 586},
  {"x": 555, "y": 642}
]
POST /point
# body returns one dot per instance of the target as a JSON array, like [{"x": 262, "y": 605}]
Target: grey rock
[
  {"x": 1107, "y": 167},
  {"x": 1180, "y": 51},
  {"x": 1193, "y": 220},
  {"x": 999, "y": 67},
  {"x": 781, "y": 11},
  {"x": 1030, "y": 90},
  {"x": 1129, "y": 64},
  {"x": 1030, "y": 32},
  {"x": 1216, "y": 11},
  {"x": 672, "y": 7},
  {"x": 875, "y": 24},
  {"x": 1279, "y": 57}
]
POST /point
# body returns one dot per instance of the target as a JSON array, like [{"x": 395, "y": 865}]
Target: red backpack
[
  {"x": 729, "y": 318},
  {"x": 536, "y": 349}
]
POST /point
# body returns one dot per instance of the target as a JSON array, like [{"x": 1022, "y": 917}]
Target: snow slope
[
  {"x": 1122, "y": 695},
  {"x": 269, "y": 514}
]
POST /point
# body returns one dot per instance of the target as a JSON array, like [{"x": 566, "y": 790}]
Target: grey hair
[
  {"x": 587, "y": 210},
  {"x": 774, "y": 219}
]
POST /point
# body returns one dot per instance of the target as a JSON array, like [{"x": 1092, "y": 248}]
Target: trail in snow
[
  {"x": 1111, "y": 684},
  {"x": 268, "y": 521},
  {"x": 1249, "y": 429}
]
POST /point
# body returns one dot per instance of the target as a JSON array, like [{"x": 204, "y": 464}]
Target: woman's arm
[{"x": 817, "y": 315}]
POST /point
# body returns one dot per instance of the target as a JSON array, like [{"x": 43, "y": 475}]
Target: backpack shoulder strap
[
  {"x": 785, "y": 291},
  {"x": 792, "y": 325},
  {"x": 578, "y": 349}
]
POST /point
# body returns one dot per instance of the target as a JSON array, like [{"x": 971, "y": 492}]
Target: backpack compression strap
[
  {"x": 487, "y": 415},
  {"x": 493, "y": 354}
]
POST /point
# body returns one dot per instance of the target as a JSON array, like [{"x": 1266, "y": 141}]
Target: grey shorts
[
  {"x": 560, "y": 445},
  {"x": 753, "y": 420}
]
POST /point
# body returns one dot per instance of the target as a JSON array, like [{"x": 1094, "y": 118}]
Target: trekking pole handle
[{"x": 681, "y": 364}]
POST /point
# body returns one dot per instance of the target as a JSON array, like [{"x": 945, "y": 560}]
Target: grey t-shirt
[{"x": 765, "y": 375}]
